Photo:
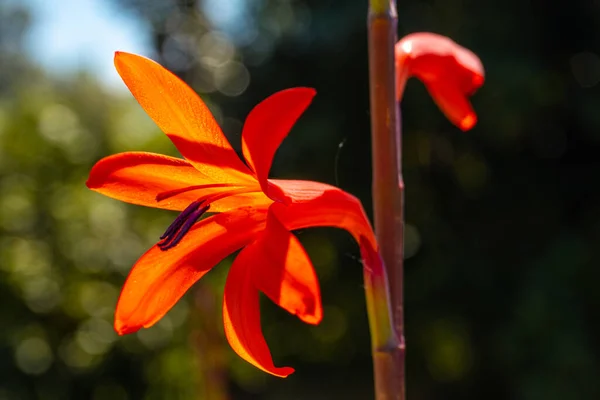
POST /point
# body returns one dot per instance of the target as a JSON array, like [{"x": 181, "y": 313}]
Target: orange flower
[
  {"x": 253, "y": 212},
  {"x": 450, "y": 72}
]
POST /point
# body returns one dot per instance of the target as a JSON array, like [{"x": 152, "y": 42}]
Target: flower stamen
[
  {"x": 188, "y": 217},
  {"x": 182, "y": 224}
]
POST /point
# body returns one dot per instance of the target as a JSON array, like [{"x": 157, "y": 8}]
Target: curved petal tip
[
  {"x": 121, "y": 56},
  {"x": 241, "y": 315},
  {"x": 468, "y": 122},
  {"x": 265, "y": 128},
  {"x": 122, "y": 328}
]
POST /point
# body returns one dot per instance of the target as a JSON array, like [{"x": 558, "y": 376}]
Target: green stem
[{"x": 388, "y": 192}]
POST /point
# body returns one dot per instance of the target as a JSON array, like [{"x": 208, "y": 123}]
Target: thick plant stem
[{"x": 388, "y": 190}]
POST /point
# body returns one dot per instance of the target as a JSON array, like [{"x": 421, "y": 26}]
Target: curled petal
[
  {"x": 450, "y": 72},
  {"x": 267, "y": 125},
  {"x": 318, "y": 204},
  {"x": 241, "y": 314},
  {"x": 160, "y": 278},
  {"x": 154, "y": 180},
  {"x": 183, "y": 116},
  {"x": 285, "y": 274}
]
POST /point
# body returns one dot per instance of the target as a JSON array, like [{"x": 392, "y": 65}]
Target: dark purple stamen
[
  {"x": 182, "y": 224},
  {"x": 174, "y": 227}
]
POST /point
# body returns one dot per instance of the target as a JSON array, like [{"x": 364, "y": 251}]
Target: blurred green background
[{"x": 503, "y": 222}]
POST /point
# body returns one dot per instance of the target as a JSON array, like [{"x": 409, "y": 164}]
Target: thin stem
[{"x": 388, "y": 190}]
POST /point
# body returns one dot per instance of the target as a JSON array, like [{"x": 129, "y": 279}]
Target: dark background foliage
[{"x": 503, "y": 222}]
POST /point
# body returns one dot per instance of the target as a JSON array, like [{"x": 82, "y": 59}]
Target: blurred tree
[
  {"x": 14, "y": 21},
  {"x": 64, "y": 251}
]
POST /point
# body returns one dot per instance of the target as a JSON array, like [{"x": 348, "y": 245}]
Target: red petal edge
[
  {"x": 267, "y": 125},
  {"x": 241, "y": 314}
]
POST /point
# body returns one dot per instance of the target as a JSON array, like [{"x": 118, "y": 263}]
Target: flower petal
[
  {"x": 450, "y": 72},
  {"x": 283, "y": 271},
  {"x": 159, "y": 278},
  {"x": 241, "y": 314},
  {"x": 142, "y": 178},
  {"x": 318, "y": 204},
  {"x": 183, "y": 116},
  {"x": 267, "y": 125},
  {"x": 453, "y": 103}
]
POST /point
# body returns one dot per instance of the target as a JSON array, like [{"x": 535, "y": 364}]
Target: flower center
[{"x": 182, "y": 224}]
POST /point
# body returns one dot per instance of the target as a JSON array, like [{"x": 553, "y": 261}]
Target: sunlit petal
[
  {"x": 160, "y": 278},
  {"x": 241, "y": 314},
  {"x": 183, "y": 116},
  {"x": 283, "y": 271},
  {"x": 266, "y": 127},
  {"x": 154, "y": 180},
  {"x": 318, "y": 204}
]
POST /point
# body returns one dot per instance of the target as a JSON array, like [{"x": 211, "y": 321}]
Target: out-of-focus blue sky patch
[
  {"x": 83, "y": 34},
  {"x": 228, "y": 15}
]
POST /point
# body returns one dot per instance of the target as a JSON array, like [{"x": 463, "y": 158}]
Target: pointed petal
[
  {"x": 285, "y": 274},
  {"x": 159, "y": 278},
  {"x": 142, "y": 178},
  {"x": 266, "y": 127},
  {"x": 183, "y": 116},
  {"x": 450, "y": 72},
  {"x": 241, "y": 315}
]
